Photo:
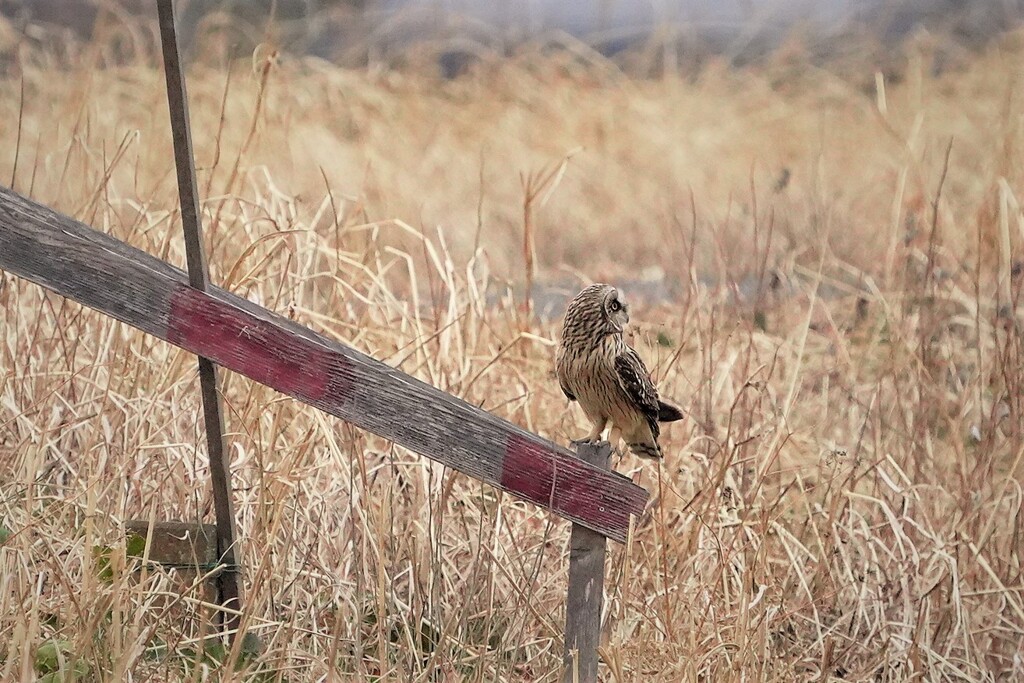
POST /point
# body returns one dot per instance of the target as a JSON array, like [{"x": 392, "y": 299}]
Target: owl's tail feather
[
  {"x": 668, "y": 412},
  {"x": 646, "y": 450}
]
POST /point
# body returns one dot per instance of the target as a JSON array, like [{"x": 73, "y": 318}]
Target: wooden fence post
[{"x": 586, "y": 588}]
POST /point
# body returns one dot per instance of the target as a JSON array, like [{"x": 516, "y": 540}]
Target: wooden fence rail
[{"x": 99, "y": 271}]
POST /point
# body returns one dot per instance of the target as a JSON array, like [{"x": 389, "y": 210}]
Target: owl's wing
[
  {"x": 565, "y": 389},
  {"x": 560, "y": 373},
  {"x": 637, "y": 386}
]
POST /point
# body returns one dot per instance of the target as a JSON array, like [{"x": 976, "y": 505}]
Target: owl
[{"x": 596, "y": 367}]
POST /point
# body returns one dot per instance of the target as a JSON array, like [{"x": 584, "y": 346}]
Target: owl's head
[{"x": 597, "y": 309}]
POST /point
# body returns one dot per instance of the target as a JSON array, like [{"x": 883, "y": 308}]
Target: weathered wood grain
[
  {"x": 586, "y": 588},
  {"x": 188, "y": 548},
  {"x": 181, "y": 545},
  {"x": 70, "y": 258}
]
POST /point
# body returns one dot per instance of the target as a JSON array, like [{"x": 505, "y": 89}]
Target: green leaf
[
  {"x": 136, "y": 546},
  {"x": 102, "y": 555},
  {"x": 215, "y": 653},
  {"x": 156, "y": 650},
  {"x": 251, "y": 647},
  {"x": 79, "y": 671},
  {"x": 46, "y": 657},
  {"x": 49, "y": 654}
]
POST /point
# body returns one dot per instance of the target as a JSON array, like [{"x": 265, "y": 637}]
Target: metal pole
[{"x": 228, "y": 582}]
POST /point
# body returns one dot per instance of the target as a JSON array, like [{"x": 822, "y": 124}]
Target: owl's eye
[{"x": 614, "y": 306}]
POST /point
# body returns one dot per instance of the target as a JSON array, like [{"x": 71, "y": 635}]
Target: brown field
[{"x": 835, "y": 308}]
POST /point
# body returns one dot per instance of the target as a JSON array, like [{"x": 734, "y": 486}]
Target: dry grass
[{"x": 843, "y": 502}]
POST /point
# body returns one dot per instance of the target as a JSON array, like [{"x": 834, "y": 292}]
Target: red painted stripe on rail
[
  {"x": 255, "y": 348},
  {"x": 529, "y": 470}
]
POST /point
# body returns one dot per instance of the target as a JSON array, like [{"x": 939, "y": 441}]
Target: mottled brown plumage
[{"x": 596, "y": 367}]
